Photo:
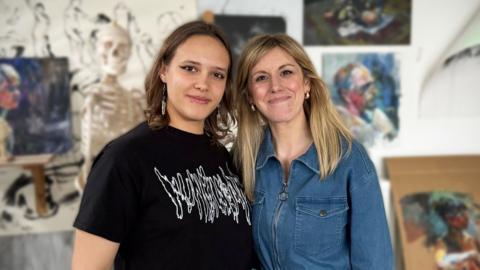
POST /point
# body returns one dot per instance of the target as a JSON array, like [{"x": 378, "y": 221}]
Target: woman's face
[
  {"x": 196, "y": 78},
  {"x": 277, "y": 87}
]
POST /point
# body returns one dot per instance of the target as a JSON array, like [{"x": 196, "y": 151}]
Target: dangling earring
[
  {"x": 218, "y": 112},
  {"x": 164, "y": 99},
  {"x": 252, "y": 107},
  {"x": 307, "y": 95}
]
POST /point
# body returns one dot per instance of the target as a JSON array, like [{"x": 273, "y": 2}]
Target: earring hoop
[
  {"x": 219, "y": 116},
  {"x": 252, "y": 107},
  {"x": 164, "y": 99}
]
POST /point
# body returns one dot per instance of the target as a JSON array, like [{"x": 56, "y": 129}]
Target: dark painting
[{"x": 239, "y": 29}]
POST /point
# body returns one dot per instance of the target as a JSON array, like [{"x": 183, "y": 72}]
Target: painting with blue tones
[
  {"x": 35, "y": 104},
  {"x": 365, "y": 89}
]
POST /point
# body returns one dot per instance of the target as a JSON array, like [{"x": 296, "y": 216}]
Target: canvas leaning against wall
[
  {"x": 35, "y": 104},
  {"x": 437, "y": 205},
  {"x": 357, "y": 22},
  {"x": 365, "y": 89}
]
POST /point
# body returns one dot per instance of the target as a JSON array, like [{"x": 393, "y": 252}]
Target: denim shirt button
[{"x": 323, "y": 213}]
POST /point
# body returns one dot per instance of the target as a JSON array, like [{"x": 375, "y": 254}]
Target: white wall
[{"x": 435, "y": 24}]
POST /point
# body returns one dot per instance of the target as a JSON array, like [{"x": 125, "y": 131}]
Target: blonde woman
[{"x": 316, "y": 197}]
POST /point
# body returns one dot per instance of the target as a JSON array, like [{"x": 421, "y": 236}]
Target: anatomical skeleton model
[{"x": 109, "y": 109}]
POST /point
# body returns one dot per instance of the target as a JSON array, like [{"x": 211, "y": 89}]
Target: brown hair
[
  {"x": 216, "y": 127},
  {"x": 325, "y": 124}
]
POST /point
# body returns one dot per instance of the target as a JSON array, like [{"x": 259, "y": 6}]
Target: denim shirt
[{"x": 308, "y": 223}]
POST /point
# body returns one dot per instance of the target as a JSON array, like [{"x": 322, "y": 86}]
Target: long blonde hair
[{"x": 325, "y": 124}]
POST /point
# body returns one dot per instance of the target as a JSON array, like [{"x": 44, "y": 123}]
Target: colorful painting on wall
[
  {"x": 366, "y": 91},
  {"x": 437, "y": 206},
  {"x": 35, "y": 105},
  {"x": 357, "y": 22}
]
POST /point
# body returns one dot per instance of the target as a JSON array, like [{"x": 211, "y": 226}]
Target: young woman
[
  {"x": 165, "y": 195},
  {"x": 316, "y": 197}
]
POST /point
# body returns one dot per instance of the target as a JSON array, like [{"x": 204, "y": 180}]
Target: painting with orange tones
[
  {"x": 437, "y": 206},
  {"x": 449, "y": 223}
]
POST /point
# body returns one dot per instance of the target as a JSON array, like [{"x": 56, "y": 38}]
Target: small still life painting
[{"x": 357, "y": 22}]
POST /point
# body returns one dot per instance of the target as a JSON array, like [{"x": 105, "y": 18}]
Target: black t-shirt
[{"x": 172, "y": 200}]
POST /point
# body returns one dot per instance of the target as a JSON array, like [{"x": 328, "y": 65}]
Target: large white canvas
[{"x": 452, "y": 88}]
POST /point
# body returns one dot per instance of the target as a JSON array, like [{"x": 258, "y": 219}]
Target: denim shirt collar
[{"x": 267, "y": 151}]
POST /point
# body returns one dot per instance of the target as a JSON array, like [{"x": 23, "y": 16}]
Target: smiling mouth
[
  {"x": 198, "y": 99},
  {"x": 278, "y": 100}
]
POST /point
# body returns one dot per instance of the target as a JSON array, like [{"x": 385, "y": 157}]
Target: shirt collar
[
  {"x": 267, "y": 151},
  {"x": 310, "y": 159}
]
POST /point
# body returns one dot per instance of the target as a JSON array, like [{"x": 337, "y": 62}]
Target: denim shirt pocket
[
  {"x": 319, "y": 225},
  {"x": 257, "y": 207}
]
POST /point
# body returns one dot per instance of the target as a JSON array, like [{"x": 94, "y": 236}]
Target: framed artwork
[
  {"x": 35, "y": 105},
  {"x": 437, "y": 206},
  {"x": 365, "y": 88},
  {"x": 239, "y": 29},
  {"x": 357, "y": 22}
]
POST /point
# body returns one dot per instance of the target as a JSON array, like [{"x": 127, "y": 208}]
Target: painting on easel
[{"x": 35, "y": 116}]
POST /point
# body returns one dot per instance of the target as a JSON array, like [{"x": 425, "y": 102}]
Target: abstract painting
[
  {"x": 35, "y": 104},
  {"x": 357, "y": 22},
  {"x": 365, "y": 89},
  {"x": 437, "y": 205}
]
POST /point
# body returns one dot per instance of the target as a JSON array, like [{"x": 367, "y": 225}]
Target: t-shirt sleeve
[{"x": 109, "y": 204}]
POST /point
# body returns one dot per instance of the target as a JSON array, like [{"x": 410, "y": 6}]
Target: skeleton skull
[{"x": 114, "y": 48}]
